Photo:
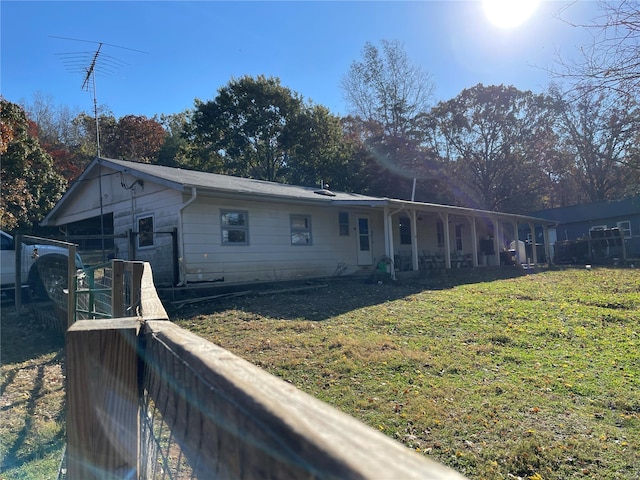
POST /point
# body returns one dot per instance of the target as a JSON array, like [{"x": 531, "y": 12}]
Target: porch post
[
  {"x": 474, "y": 241},
  {"x": 414, "y": 240},
  {"x": 534, "y": 250},
  {"x": 447, "y": 241},
  {"x": 388, "y": 241},
  {"x": 547, "y": 245},
  {"x": 496, "y": 241}
]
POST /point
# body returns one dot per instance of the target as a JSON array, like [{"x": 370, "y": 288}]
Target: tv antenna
[{"x": 88, "y": 63}]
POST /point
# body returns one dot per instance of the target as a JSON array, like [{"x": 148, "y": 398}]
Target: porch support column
[
  {"x": 388, "y": 241},
  {"x": 414, "y": 240},
  {"x": 447, "y": 240},
  {"x": 534, "y": 250},
  {"x": 547, "y": 245},
  {"x": 474, "y": 241},
  {"x": 496, "y": 240}
]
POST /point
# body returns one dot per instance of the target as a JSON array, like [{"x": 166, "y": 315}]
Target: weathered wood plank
[{"x": 102, "y": 399}]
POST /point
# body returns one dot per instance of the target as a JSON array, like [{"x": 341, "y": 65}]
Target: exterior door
[{"x": 364, "y": 242}]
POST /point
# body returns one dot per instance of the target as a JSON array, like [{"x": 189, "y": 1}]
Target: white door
[{"x": 364, "y": 242}]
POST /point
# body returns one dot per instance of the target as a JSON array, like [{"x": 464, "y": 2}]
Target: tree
[
  {"x": 137, "y": 138},
  {"x": 319, "y": 153},
  {"x": 248, "y": 130},
  {"x": 611, "y": 61},
  {"x": 491, "y": 138},
  {"x": 599, "y": 134},
  {"x": 30, "y": 183},
  {"x": 57, "y": 133},
  {"x": 387, "y": 95},
  {"x": 55, "y": 122},
  {"x": 174, "y": 147},
  {"x": 385, "y": 88}
]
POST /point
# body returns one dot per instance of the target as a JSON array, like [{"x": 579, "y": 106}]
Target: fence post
[
  {"x": 17, "y": 241},
  {"x": 136, "y": 269},
  {"x": 71, "y": 285},
  {"x": 117, "y": 289},
  {"x": 102, "y": 399}
]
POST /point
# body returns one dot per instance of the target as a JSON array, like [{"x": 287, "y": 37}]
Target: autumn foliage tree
[
  {"x": 30, "y": 183},
  {"x": 138, "y": 138}
]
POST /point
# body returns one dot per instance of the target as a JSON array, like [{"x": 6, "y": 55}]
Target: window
[
  {"x": 234, "y": 227},
  {"x": 625, "y": 228},
  {"x": 145, "y": 232},
  {"x": 405, "y": 230},
  {"x": 440, "y": 233},
  {"x": 343, "y": 223},
  {"x": 300, "y": 229},
  {"x": 7, "y": 243},
  {"x": 459, "y": 238}
]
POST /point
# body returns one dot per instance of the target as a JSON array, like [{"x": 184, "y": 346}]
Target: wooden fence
[{"x": 147, "y": 399}]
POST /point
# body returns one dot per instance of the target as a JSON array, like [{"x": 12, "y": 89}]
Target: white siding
[
  {"x": 151, "y": 200},
  {"x": 269, "y": 254}
]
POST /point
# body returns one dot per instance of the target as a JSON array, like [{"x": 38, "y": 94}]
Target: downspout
[{"x": 183, "y": 274}]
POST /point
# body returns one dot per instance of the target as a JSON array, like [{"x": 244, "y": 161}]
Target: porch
[{"x": 420, "y": 236}]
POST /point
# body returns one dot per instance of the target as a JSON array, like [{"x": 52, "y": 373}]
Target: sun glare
[{"x": 509, "y": 13}]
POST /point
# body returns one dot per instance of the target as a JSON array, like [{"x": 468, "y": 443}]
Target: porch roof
[{"x": 467, "y": 212}]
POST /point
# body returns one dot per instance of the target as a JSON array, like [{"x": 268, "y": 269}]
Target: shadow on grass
[
  {"x": 18, "y": 453},
  {"x": 339, "y": 295},
  {"x": 24, "y": 337}
]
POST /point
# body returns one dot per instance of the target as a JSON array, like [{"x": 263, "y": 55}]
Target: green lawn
[
  {"x": 32, "y": 415},
  {"x": 533, "y": 376}
]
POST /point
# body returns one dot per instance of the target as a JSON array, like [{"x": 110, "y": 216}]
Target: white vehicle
[{"x": 43, "y": 267}]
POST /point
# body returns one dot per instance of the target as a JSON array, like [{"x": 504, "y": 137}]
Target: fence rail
[{"x": 148, "y": 399}]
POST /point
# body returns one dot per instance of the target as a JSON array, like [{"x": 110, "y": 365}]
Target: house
[
  {"x": 593, "y": 231},
  {"x": 203, "y": 227}
]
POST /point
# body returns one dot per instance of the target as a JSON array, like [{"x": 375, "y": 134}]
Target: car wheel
[{"x": 48, "y": 278}]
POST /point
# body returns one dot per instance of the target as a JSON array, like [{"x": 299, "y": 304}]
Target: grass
[
  {"x": 534, "y": 376},
  {"x": 31, "y": 398}
]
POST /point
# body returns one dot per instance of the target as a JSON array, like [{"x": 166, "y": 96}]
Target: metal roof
[{"x": 593, "y": 211}]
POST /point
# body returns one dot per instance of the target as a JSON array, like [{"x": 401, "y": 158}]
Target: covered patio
[{"x": 421, "y": 236}]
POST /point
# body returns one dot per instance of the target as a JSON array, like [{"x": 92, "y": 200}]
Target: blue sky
[{"x": 194, "y": 48}]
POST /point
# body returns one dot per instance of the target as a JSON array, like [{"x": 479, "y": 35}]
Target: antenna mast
[
  {"x": 77, "y": 61},
  {"x": 85, "y": 86}
]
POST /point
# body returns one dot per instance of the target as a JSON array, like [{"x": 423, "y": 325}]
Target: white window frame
[
  {"x": 626, "y": 232},
  {"x": 300, "y": 226},
  {"x": 227, "y": 227},
  {"x": 142, "y": 234}
]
